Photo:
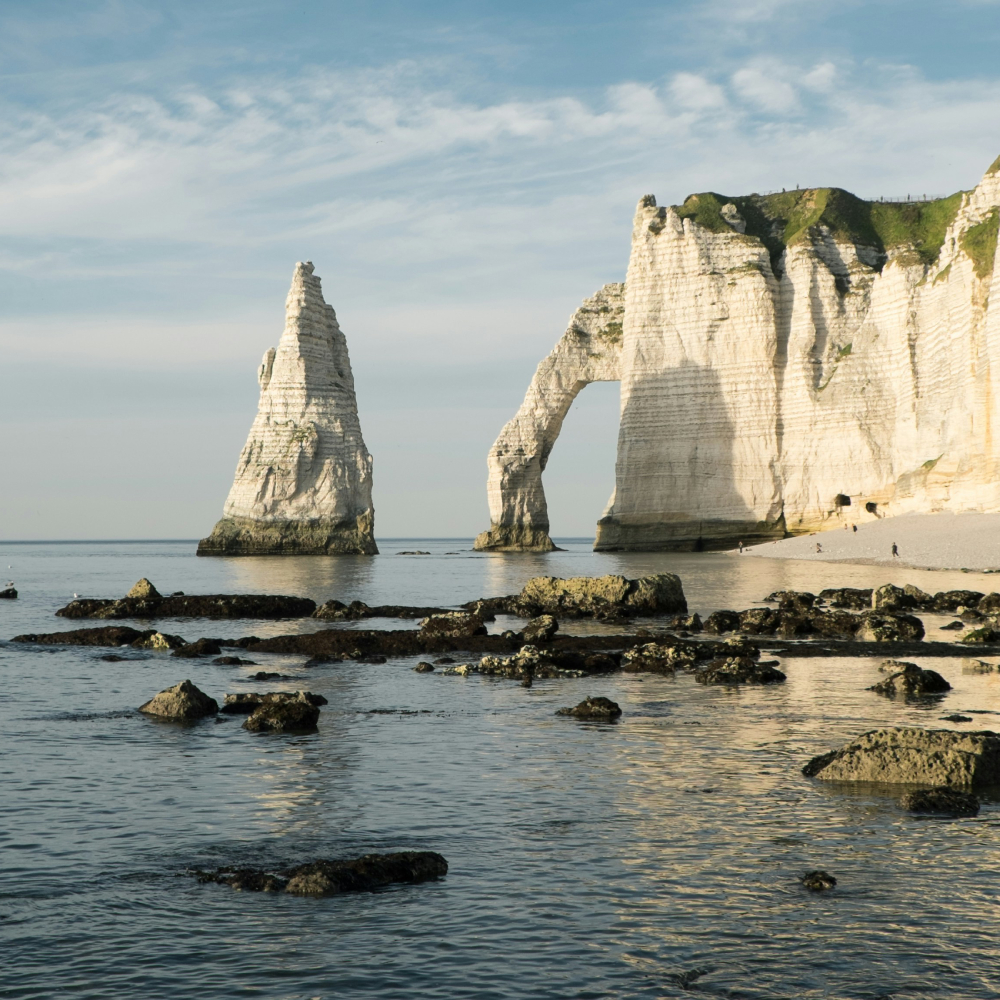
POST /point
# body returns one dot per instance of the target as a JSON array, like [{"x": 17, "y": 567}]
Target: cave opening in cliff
[{"x": 580, "y": 474}]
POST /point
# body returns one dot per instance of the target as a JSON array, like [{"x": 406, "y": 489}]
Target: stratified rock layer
[
  {"x": 789, "y": 363},
  {"x": 303, "y": 483}
]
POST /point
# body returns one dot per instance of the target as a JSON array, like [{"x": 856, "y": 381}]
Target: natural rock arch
[{"x": 589, "y": 351}]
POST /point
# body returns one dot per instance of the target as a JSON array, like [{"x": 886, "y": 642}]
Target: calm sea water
[{"x": 658, "y": 857}]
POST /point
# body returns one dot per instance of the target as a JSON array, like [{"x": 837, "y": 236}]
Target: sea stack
[
  {"x": 303, "y": 483},
  {"x": 789, "y": 363}
]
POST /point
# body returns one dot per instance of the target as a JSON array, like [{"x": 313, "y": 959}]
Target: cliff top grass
[
  {"x": 782, "y": 220},
  {"x": 980, "y": 243}
]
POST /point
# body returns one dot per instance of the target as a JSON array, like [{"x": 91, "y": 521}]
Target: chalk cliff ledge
[{"x": 303, "y": 483}]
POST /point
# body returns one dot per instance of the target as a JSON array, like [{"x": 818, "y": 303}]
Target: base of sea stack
[
  {"x": 242, "y": 536},
  {"x": 514, "y": 538},
  {"x": 683, "y": 535}
]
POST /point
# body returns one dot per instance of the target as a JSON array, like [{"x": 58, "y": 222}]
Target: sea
[{"x": 656, "y": 857}]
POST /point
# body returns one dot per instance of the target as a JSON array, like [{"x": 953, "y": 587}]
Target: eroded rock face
[
  {"x": 182, "y": 701},
  {"x": 914, "y": 756},
  {"x": 304, "y": 479},
  {"x": 589, "y": 351},
  {"x": 788, "y": 363}
]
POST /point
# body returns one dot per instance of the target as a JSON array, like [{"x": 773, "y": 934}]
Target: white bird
[{"x": 75, "y": 595}]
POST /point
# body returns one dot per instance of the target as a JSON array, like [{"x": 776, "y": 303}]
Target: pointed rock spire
[{"x": 303, "y": 482}]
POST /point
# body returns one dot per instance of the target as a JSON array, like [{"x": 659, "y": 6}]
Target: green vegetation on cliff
[
  {"x": 782, "y": 220},
  {"x": 980, "y": 243}
]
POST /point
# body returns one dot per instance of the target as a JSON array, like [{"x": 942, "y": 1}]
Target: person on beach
[
  {"x": 855, "y": 529},
  {"x": 895, "y": 551},
  {"x": 819, "y": 548},
  {"x": 740, "y": 544}
]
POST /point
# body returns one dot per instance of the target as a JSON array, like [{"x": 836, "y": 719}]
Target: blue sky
[{"x": 462, "y": 175}]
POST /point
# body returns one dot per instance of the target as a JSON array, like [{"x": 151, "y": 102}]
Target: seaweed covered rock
[
  {"x": 293, "y": 714},
  {"x": 909, "y": 755},
  {"x": 160, "y": 640},
  {"x": 454, "y": 624},
  {"x": 877, "y": 626},
  {"x": 182, "y": 701},
  {"x": 759, "y": 621},
  {"x": 949, "y": 601},
  {"x": 719, "y": 622},
  {"x": 200, "y": 647},
  {"x": 977, "y": 636},
  {"x": 109, "y": 635},
  {"x": 247, "y": 702},
  {"x": 328, "y": 878},
  {"x": 847, "y": 597},
  {"x": 738, "y": 670},
  {"x": 907, "y": 680},
  {"x": 540, "y": 629},
  {"x": 663, "y": 657},
  {"x": 836, "y": 624},
  {"x": 595, "y": 709},
  {"x": 585, "y": 596},
  {"x": 889, "y": 598},
  {"x": 145, "y": 601},
  {"x": 941, "y": 801},
  {"x": 800, "y": 601},
  {"x": 818, "y": 881}
]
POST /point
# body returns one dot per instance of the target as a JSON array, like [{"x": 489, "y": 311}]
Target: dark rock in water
[
  {"x": 738, "y": 670},
  {"x": 818, "y": 881},
  {"x": 911, "y": 756},
  {"x": 371, "y": 658},
  {"x": 952, "y": 600},
  {"x": 540, "y": 629},
  {"x": 424, "y": 668},
  {"x": 597, "y": 709},
  {"x": 233, "y": 661},
  {"x": 8, "y": 594},
  {"x": 358, "y": 610},
  {"x": 327, "y": 878},
  {"x": 721, "y": 621},
  {"x": 956, "y": 718},
  {"x": 320, "y": 658},
  {"x": 454, "y": 624},
  {"x": 598, "y": 597},
  {"x": 759, "y": 621},
  {"x": 941, "y": 801},
  {"x": 890, "y": 598},
  {"x": 161, "y": 641},
  {"x": 441, "y": 660},
  {"x": 145, "y": 601},
  {"x": 792, "y": 600},
  {"x": 109, "y": 635},
  {"x": 877, "y": 626},
  {"x": 113, "y": 658},
  {"x": 685, "y": 623},
  {"x": 989, "y": 605},
  {"x": 661, "y": 657},
  {"x": 270, "y": 675},
  {"x": 290, "y": 715},
  {"x": 981, "y": 635},
  {"x": 202, "y": 647},
  {"x": 847, "y": 597},
  {"x": 182, "y": 701},
  {"x": 793, "y": 623},
  {"x": 953, "y": 627},
  {"x": 909, "y": 681},
  {"x": 836, "y": 623},
  {"x": 245, "y": 703}
]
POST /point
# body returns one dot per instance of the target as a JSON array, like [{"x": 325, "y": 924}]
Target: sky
[{"x": 462, "y": 175}]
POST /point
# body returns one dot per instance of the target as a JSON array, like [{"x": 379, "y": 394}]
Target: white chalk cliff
[
  {"x": 303, "y": 482},
  {"x": 589, "y": 351},
  {"x": 789, "y": 363}
]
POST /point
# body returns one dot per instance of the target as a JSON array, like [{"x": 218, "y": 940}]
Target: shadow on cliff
[{"x": 684, "y": 469}]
